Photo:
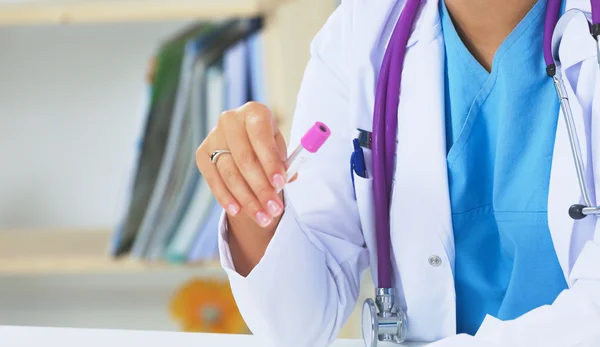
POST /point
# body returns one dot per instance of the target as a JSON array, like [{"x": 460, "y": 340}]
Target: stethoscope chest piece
[{"x": 383, "y": 320}]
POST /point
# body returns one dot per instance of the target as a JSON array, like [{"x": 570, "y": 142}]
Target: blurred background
[{"x": 104, "y": 219}]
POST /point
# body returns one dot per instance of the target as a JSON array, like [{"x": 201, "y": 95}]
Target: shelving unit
[
  {"x": 289, "y": 26},
  {"x": 90, "y": 11},
  {"x": 44, "y": 252}
]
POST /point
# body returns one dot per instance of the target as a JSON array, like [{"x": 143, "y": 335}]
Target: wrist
[{"x": 248, "y": 241}]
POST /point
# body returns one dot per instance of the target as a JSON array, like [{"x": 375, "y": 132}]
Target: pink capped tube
[{"x": 310, "y": 143}]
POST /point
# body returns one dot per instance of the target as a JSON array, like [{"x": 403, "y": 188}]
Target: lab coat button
[{"x": 435, "y": 261}]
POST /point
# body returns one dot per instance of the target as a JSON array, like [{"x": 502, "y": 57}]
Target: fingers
[
  {"x": 249, "y": 172},
  {"x": 213, "y": 178},
  {"x": 265, "y": 140},
  {"x": 246, "y": 179},
  {"x": 239, "y": 188},
  {"x": 281, "y": 147}
]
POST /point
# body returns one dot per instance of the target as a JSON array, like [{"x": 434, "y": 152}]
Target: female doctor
[{"x": 483, "y": 250}]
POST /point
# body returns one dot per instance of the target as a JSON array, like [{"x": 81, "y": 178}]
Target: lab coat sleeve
[
  {"x": 306, "y": 285},
  {"x": 573, "y": 318}
]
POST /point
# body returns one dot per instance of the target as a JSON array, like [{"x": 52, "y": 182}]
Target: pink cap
[{"x": 315, "y": 137}]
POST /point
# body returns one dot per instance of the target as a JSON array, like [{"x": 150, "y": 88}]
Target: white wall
[{"x": 70, "y": 102}]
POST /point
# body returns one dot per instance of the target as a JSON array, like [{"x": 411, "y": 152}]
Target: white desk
[{"x": 63, "y": 337}]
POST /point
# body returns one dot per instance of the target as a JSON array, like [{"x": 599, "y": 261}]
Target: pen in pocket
[{"x": 358, "y": 156}]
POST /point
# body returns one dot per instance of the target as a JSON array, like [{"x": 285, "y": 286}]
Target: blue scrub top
[{"x": 500, "y": 135}]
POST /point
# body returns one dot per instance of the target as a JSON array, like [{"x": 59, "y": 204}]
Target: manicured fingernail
[
  {"x": 278, "y": 181},
  {"x": 233, "y": 209},
  {"x": 263, "y": 219},
  {"x": 274, "y": 208}
]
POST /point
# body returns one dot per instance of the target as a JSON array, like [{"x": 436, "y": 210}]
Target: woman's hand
[{"x": 246, "y": 180}]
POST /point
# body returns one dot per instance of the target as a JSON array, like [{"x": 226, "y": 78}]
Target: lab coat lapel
[
  {"x": 369, "y": 57},
  {"x": 564, "y": 189},
  {"x": 421, "y": 200},
  {"x": 421, "y": 228},
  {"x": 421, "y": 110}
]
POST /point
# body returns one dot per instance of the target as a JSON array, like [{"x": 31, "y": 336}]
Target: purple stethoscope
[{"x": 383, "y": 319}]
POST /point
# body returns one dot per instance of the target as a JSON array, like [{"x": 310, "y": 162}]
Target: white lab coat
[{"x": 306, "y": 285}]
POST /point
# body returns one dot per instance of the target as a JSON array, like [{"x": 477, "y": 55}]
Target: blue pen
[{"x": 359, "y": 160}]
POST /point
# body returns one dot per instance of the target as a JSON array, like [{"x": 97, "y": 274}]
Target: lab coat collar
[
  {"x": 425, "y": 26},
  {"x": 375, "y": 39},
  {"x": 575, "y": 46},
  {"x": 427, "y": 23}
]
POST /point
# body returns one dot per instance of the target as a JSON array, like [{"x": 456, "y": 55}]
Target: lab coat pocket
[{"x": 366, "y": 209}]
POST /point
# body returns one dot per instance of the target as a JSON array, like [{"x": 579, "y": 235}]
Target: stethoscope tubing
[
  {"x": 595, "y": 11},
  {"x": 552, "y": 15},
  {"x": 385, "y": 123}
]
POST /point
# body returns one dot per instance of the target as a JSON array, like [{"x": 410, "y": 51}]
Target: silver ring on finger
[{"x": 216, "y": 154}]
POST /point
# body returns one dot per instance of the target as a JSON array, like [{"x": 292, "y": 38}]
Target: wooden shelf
[
  {"x": 28, "y": 12},
  {"x": 31, "y": 252}
]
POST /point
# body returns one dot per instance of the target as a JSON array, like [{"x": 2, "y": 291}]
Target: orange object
[{"x": 208, "y": 306}]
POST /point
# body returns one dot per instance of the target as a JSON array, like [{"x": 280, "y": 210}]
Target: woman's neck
[{"x": 484, "y": 24}]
